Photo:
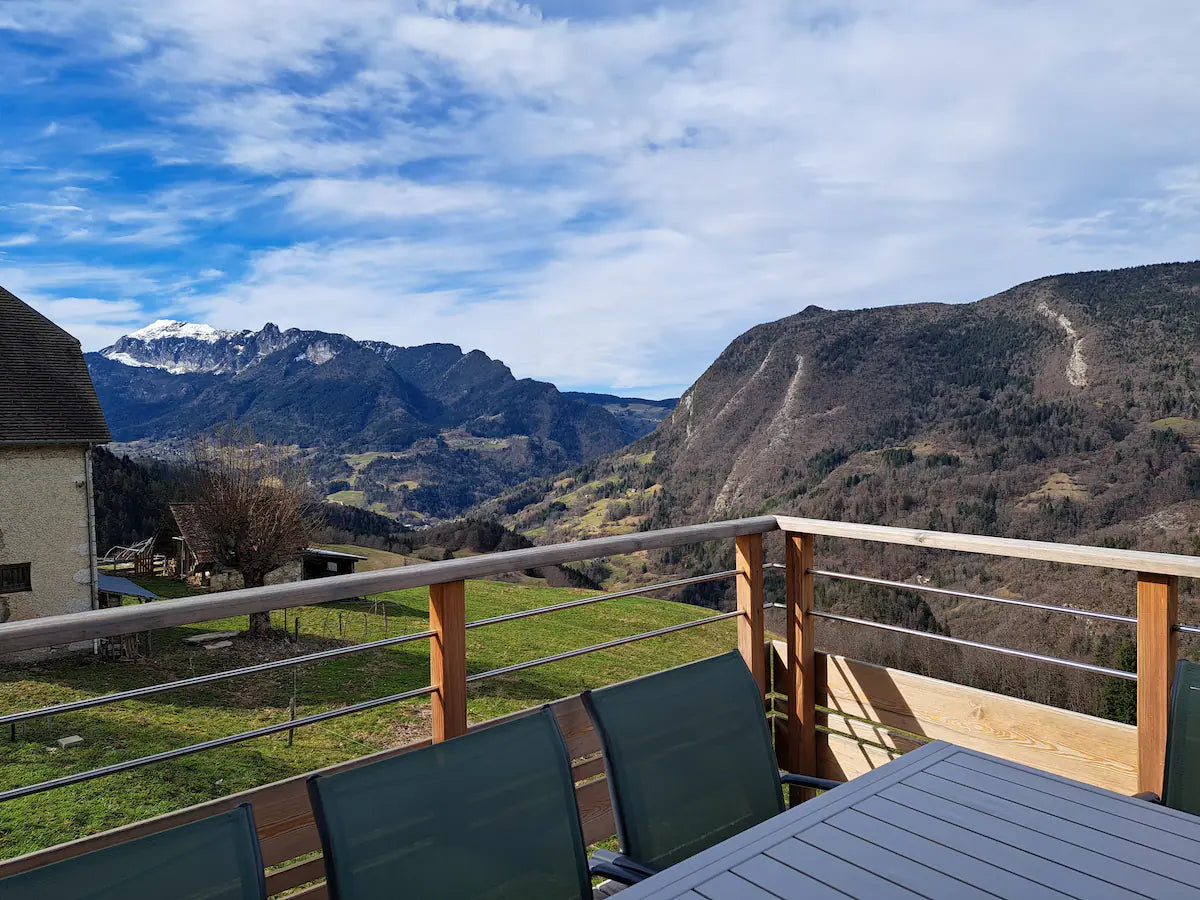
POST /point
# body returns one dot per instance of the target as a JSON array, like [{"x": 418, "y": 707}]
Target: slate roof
[
  {"x": 193, "y": 532},
  {"x": 46, "y": 393}
]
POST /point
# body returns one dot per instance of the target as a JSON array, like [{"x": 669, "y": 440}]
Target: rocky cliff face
[
  {"x": 1074, "y": 377},
  {"x": 1067, "y": 408}
]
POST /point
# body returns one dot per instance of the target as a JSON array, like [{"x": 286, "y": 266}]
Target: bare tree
[{"x": 254, "y": 501}]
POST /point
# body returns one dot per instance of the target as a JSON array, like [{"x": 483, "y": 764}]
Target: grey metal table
[{"x": 942, "y": 821}]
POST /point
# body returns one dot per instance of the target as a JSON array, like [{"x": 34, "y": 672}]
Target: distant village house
[{"x": 50, "y": 420}]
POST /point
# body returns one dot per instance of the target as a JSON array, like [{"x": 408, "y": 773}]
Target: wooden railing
[{"x": 833, "y": 716}]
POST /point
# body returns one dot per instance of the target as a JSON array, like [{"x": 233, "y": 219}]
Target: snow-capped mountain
[
  {"x": 457, "y": 424},
  {"x": 190, "y": 348}
]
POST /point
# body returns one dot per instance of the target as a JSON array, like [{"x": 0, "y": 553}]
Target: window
[{"x": 15, "y": 577}]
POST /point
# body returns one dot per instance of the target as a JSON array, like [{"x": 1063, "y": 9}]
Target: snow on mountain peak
[
  {"x": 189, "y": 347},
  {"x": 170, "y": 328}
]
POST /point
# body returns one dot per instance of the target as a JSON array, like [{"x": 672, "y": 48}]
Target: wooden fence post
[
  {"x": 448, "y": 659},
  {"x": 801, "y": 648},
  {"x": 751, "y": 635},
  {"x": 1157, "y": 648}
]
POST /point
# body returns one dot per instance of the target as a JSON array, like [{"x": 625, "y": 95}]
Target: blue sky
[{"x": 601, "y": 194}]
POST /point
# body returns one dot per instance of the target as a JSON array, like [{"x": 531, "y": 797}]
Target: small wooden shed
[{"x": 320, "y": 563}]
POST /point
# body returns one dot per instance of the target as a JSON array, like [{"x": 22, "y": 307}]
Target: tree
[
  {"x": 256, "y": 505},
  {"x": 1118, "y": 700}
]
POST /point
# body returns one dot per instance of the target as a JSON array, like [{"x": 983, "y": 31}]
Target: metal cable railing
[
  {"x": 587, "y": 601},
  {"x": 320, "y": 656},
  {"x": 134, "y": 693},
  {"x": 947, "y": 592},
  {"x": 529, "y": 664},
  {"x": 962, "y": 642},
  {"x": 127, "y": 765},
  {"x": 86, "y": 625}
]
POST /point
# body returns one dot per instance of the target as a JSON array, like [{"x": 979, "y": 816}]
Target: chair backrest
[
  {"x": 1181, "y": 788},
  {"x": 217, "y": 858},
  {"x": 491, "y": 814},
  {"x": 688, "y": 756}
]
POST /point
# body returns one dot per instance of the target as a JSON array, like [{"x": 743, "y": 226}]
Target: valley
[{"x": 418, "y": 433}]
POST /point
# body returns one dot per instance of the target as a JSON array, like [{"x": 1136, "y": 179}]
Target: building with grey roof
[{"x": 50, "y": 420}]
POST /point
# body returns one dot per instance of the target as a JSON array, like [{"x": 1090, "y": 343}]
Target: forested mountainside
[
  {"x": 133, "y": 496},
  {"x": 421, "y": 432},
  {"x": 1067, "y": 409}
]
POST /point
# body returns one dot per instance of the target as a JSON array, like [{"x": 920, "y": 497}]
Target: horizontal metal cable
[
  {"x": 1188, "y": 629},
  {"x": 517, "y": 667},
  {"x": 1007, "y": 651},
  {"x": 208, "y": 745},
  {"x": 53, "y": 631},
  {"x": 906, "y": 586},
  {"x": 774, "y": 606},
  {"x": 632, "y": 592},
  {"x": 774, "y": 565},
  {"x": 134, "y": 693}
]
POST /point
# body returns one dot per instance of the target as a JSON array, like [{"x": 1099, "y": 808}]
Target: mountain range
[
  {"x": 425, "y": 431},
  {"x": 1075, "y": 392},
  {"x": 1064, "y": 409}
]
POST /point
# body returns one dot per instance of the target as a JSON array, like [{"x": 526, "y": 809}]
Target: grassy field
[
  {"x": 375, "y": 559},
  {"x": 132, "y": 729}
]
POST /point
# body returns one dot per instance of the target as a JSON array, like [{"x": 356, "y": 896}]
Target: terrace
[{"x": 832, "y": 716}]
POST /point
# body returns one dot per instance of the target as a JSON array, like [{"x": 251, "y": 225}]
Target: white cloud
[{"x": 609, "y": 199}]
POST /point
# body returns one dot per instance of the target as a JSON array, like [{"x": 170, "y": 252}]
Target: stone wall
[
  {"x": 232, "y": 581},
  {"x": 45, "y": 520}
]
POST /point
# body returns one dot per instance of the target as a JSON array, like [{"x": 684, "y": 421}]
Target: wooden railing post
[
  {"x": 1157, "y": 612},
  {"x": 448, "y": 659},
  {"x": 750, "y": 601},
  {"x": 801, "y": 649}
]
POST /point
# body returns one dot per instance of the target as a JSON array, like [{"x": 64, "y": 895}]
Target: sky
[{"x": 601, "y": 194}]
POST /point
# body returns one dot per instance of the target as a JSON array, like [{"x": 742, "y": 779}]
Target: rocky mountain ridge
[
  {"x": 426, "y": 430},
  {"x": 1065, "y": 409}
]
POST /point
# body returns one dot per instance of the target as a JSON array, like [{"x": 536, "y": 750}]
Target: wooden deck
[{"x": 832, "y": 716}]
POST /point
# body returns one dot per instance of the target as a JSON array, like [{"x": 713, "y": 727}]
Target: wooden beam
[
  {"x": 52, "y": 631},
  {"x": 1085, "y": 748},
  {"x": 448, "y": 659},
  {"x": 801, "y": 684},
  {"x": 1074, "y": 554},
  {"x": 1157, "y": 649},
  {"x": 749, "y": 551}
]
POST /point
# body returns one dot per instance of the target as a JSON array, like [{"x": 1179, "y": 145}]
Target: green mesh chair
[
  {"x": 491, "y": 814},
  {"x": 217, "y": 858},
  {"x": 689, "y": 759},
  {"x": 1181, "y": 773}
]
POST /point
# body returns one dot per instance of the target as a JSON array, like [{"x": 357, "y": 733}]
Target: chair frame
[{"x": 624, "y": 868}]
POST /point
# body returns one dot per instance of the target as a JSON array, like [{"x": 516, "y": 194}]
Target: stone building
[
  {"x": 50, "y": 420},
  {"x": 196, "y": 563}
]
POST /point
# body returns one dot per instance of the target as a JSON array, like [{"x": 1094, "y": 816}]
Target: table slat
[
  {"x": 1020, "y": 862},
  {"x": 1133, "y": 865},
  {"x": 1120, "y": 879},
  {"x": 851, "y": 879},
  {"x": 1152, "y": 814},
  {"x": 942, "y": 857},
  {"x": 784, "y": 881},
  {"x": 1169, "y": 853},
  {"x": 728, "y": 886},
  {"x": 883, "y": 862},
  {"x": 944, "y": 821}
]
